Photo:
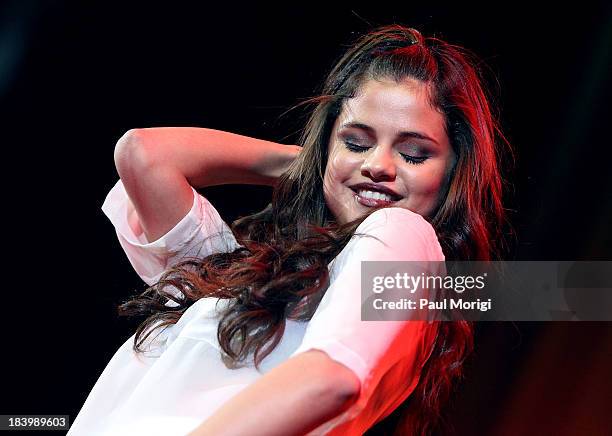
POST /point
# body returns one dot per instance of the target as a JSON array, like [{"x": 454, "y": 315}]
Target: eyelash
[{"x": 359, "y": 149}]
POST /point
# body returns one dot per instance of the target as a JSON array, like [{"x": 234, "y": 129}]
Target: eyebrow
[{"x": 400, "y": 135}]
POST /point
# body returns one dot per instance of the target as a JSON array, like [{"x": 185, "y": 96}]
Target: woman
[{"x": 256, "y": 329}]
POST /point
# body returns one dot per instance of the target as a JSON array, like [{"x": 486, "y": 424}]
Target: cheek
[{"x": 425, "y": 181}]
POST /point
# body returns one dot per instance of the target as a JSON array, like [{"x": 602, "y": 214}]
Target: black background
[{"x": 74, "y": 76}]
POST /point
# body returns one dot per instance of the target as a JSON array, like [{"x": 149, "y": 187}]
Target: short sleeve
[
  {"x": 386, "y": 355},
  {"x": 198, "y": 234}
]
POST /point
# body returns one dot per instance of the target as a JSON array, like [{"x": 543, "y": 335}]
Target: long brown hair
[{"x": 281, "y": 269}]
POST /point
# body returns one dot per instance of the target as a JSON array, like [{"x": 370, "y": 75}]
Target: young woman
[{"x": 255, "y": 329}]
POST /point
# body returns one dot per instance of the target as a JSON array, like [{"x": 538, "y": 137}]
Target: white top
[{"x": 181, "y": 380}]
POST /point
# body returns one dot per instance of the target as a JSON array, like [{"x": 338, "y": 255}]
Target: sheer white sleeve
[{"x": 198, "y": 234}]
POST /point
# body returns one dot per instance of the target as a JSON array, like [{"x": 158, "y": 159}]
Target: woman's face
[{"x": 387, "y": 136}]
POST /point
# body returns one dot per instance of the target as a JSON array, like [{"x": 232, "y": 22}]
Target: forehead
[{"x": 390, "y": 107}]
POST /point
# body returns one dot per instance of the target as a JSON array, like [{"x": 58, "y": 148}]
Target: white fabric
[{"x": 181, "y": 380}]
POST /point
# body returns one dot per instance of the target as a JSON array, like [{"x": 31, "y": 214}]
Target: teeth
[{"x": 375, "y": 195}]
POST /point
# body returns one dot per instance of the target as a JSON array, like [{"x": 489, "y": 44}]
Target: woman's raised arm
[{"x": 158, "y": 166}]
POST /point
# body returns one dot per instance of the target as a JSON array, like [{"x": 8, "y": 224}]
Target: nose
[{"x": 379, "y": 164}]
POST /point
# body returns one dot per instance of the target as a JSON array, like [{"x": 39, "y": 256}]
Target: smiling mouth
[{"x": 373, "y": 198}]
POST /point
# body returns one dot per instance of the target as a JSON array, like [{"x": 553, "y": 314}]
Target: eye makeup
[{"x": 350, "y": 145}]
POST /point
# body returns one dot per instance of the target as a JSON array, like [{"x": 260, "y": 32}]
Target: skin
[{"x": 388, "y": 107}]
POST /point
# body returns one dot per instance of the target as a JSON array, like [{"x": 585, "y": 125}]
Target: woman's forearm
[
  {"x": 158, "y": 167},
  {"x": 209, "y": 157},
  {"x": 292, "y": 399}
]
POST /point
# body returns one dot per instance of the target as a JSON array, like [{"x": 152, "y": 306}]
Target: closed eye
[
  {"x": 354, "y": 147},
  {"x": 360, "y": 149}
]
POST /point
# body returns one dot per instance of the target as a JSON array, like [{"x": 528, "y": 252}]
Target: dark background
[{"x": 74, "y": 76}]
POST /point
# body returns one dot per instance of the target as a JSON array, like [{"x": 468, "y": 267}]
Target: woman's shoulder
[
  {"x": 397, "y": 223},
  {"x": 394, "y": 214},
  {"x": 395, "y": 233}
]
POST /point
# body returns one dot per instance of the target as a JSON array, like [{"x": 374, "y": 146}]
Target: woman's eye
[
  {"x": 360, "y": 149},
  {"x": 414, "y": 160},
  {"x": 354, "y": 147}
]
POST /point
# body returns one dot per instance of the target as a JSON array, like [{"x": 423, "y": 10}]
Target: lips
[{"x": 376, "y": 187}]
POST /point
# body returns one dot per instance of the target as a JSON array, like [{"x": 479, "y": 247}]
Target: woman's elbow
[
  {"x": 131, "y": 152},
  {"x": 347, "y": 387},
  {"x": 341, "y": 382}
]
